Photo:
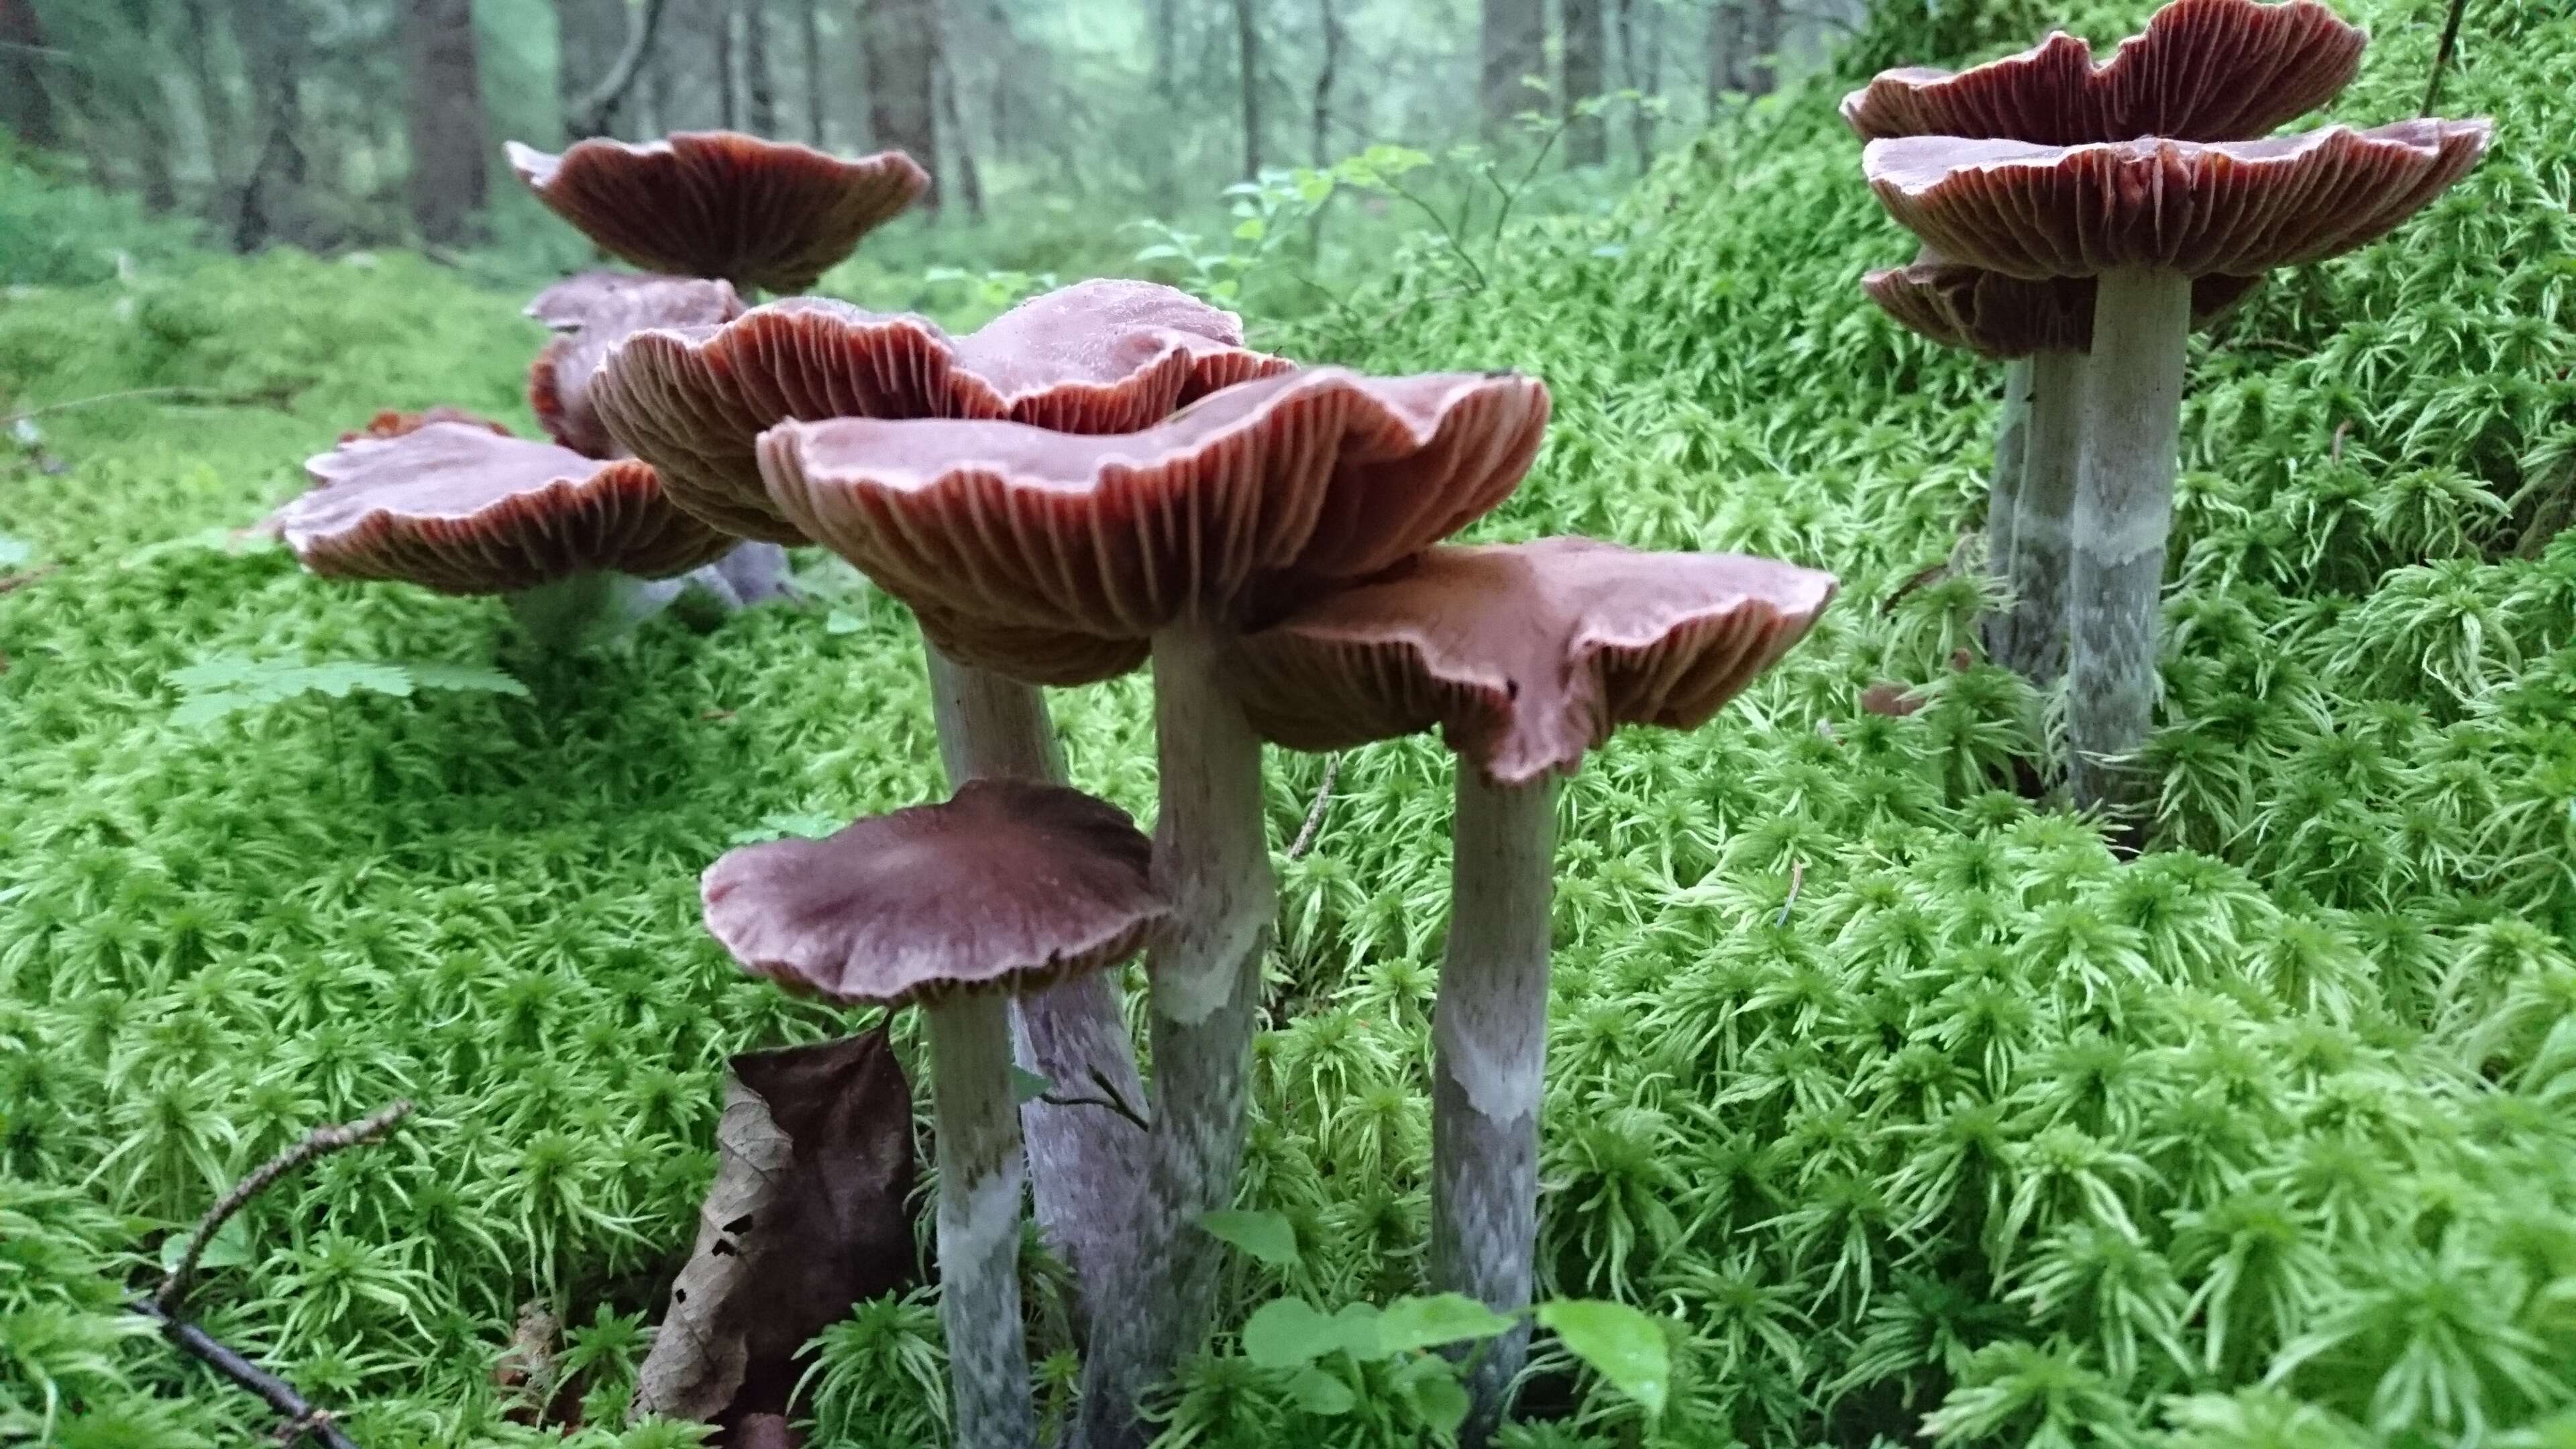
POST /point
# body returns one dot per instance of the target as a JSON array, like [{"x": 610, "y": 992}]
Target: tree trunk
[
  {"x": 1763, "y": 30},
  {"x": 1330, "y": 21},
  {"x": 901, "y": 47},
  {"x": 26, "y": 106},
  {"x": 728, "y": 83},
  {"x": 214, "y": 102},
  {"x": 1726, "y": 28},
  {"x": 1641, "y": 59},
  {"x": 1511, "y": 43},
  {"x": 1247, "y": 62},
  {"x": 588, "y": 36},
  {"x": 1587, "y": 138},
  {"x": 961, "y": 149},
  {"x": 760, "y": 95},
  {"x": 445, "y": 119},
  {"x": 810, "y": 21}
]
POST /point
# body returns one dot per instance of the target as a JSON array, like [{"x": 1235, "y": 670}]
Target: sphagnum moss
[{"x": 1934, "y": 1121}]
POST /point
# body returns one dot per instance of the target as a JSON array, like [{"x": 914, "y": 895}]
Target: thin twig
[
  {"x": 322, "y": 1142},
  {"x": 137, "y": 392},
  {"x": 301, "y": 1417},
  {"x": 589, "y": 115},
  {"x": 1109, "y": 1098},
  {"x": 2442, "y": 55},
  {"x": 1797, "y": 878},
  {"x": 1305, "y": 840}
]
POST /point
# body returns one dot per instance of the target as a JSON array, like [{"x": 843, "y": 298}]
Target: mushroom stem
[
  {"x": 1212, "y": 865},
  {"x": 1489, "y": 1058},
  {"x": 590, "y": 609},
  {"x": 2044, "y": 520},
  {"x": 979, "y": 1219},
  {"x": 2003, "y": 493},
  {"x": 2132, "y": 420},
  {"x": 754, "y": 573},
  {"x": 1086, "y": 1163}
]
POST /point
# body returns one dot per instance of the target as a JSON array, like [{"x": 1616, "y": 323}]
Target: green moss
[{"x": 2261, "y": 1140}]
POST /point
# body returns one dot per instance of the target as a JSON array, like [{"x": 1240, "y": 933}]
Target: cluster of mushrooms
[
  {"x": 2077, "y": 221},
  {"x": 1102, "y": 479}
]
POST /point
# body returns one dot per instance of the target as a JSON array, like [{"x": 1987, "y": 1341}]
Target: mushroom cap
[
  {"x": 391, "y": 423},
  {"x": 2234, "y": 207},
  {"x": 1526, "y": 655},
  {"x": 1008, "y": 886},
  {"x": 456, "y": 508},
  {"x": 1096, "y": 357},
  {"x": 1252, "y": 498},
  {"x": 2006, "y": 317},
  {"x": 594, "y": 312},
  {"x": 721, "y": 204},
  {"x": 2203, "y": 70}
]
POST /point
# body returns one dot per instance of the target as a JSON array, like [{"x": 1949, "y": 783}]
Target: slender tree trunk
[
  {"x": 1247, "y": 66},
  {"x": 445, "y": 119},
  {"x": 1727, "y": 29},
  {"x": 588, "y": 36},
  {"x": 1165, "y": 19},
  {"x": 26, "y": 102},
  {"x": 728, "y": 80},
  {"x": 1641, "y": 59},
  {"x": 961, "y": 148},
  {"x": 809, "y": 14},
  {"x": 902, "y": 52},
  {"x": 1587, "y": 138},
  {"x": 760, "y": 93},
  {"x": 1763, "y": 23},
  {"x": 214, "y": 104},
  {"x": 1511, "y": 43},
  {"x": 1329, "y": 21}
]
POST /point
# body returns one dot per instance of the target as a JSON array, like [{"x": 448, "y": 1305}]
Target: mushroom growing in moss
[
  {"x": 2044, "y": 331},
  {"x": 581, "y": 548},
  {"x": 2145, "y": 218},
  {"x": 1527, "y": 657},
  {"x": 1030, "y": 552},
  {"x": 1007, "y": 887}
]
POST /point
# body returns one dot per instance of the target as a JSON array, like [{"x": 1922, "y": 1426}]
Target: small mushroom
[
  {"x": 2145, "y": 218},
  {"x": 1527, "y": 657},
  {"x": 2044, "y": 331},
  {"x": 581, "y": 548},
  {"x": 720, "y": 204},
  {"x": 1058, "y": 558},
  {"x": 1007, "y": 887},
  {"x": 591, "y": 314}
]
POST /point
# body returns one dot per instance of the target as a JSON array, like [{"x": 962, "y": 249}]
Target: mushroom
[
  {"x": 1527, "y": 656},
  {"x": 720, "y": 204},
  {"x": 2145, "y": 218},
  {"x": 1028, "y": 552},
  {"x": 1007, "y": 887},
  {"x": 581, "y": 548},
  {"x": 592, "y": 313},
  {"x": 1098, "y": 356},
  {"x": 2043, "y": 330}
]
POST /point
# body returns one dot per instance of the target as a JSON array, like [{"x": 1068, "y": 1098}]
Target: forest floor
[{"x": 1900, "y": 1095}]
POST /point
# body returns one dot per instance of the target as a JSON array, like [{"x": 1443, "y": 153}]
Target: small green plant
[{"x": 223, "y": 685}]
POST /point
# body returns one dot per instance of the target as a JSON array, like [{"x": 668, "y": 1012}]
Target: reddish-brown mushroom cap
[
  {"x": 1526, "y": 655},
  {"x": 2204, "y": 70},
  {"x": 455, "y": 508},
  {"x": 1096, "y": 357},
  {"x": 719, "y": 204},
  {"x": 595, "y": 311},
  {"x": 2236, "y": 207},
  {"x": 1008, "y": 886},
  {"x": 393, "y": 424},
  {"x": 1254, "y": 496},
  {"x": 2006, "y": 317}
]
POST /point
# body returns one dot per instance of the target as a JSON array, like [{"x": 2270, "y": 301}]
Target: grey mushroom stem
[
  {"x": 590, "y": 609},
  {"x": 2132, "y": 419},
  {"x": 1212, "y": 866},
  {"x": 979, "y": 1219},
  {"x": 1086, "y": 1164},
  {"x": 2043, "y": 536},
  {"x": 2003, "y": 494},
  {"x": 1489, "y": 1060}
]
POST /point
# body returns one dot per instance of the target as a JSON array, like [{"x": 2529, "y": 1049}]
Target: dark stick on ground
[
  {"x": 162, "y": 1305},
  {"x": 1305, "y": 840},
  {"x": 2442, "y": 54}
]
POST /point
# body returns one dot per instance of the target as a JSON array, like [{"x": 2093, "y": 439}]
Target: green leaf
[
  {"x": 1439, "y": 1400},
  {"x": 1622, "y": 1345},
  {"x": 1287, "y": 1332},
  {"x": 1251, "y": 228},
  {"x": 1027, "y": 1086},
  {"x": 842, "y": 621},
  {"x": 1416, "y": 1323},
  {"x": 229, "y": 1248},
  {"x": 1318, "y": 1392},
  {"x": 466, "y": 679},
  {"x": 1264, "y": 1237}
]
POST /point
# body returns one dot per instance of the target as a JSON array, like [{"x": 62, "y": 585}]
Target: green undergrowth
[{"x": 1912, "y": 1108}]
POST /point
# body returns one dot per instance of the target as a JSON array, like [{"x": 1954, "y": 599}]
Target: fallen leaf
[
  {"x": 807, "y": 1216},
  {"x": 1890, "y": 699},
  {"x": 526, "y": 1371}
]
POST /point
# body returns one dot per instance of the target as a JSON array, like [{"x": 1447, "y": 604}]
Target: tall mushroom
[
  {"x": 1527, "y": 656},
  {"x": 2201, "y": 70},
  {"x": 2145, "y": 218},
  {"x": 1098, "y": 356},
  {"x": 1030, "y": 552},
  {"x": 581, "y": 548},
  {"x": 2044, "y": 330},
  {"x": 1007, "y": 887}
]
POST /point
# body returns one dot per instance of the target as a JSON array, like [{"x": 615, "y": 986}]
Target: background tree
[
  {"x": 1512, "y": 44},
  {"x": 900, "y": 40},
  {"x": 448, "y": 141},
  {"x": 1587, "y": 138},
  {"x": 26, "y": 101}
]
